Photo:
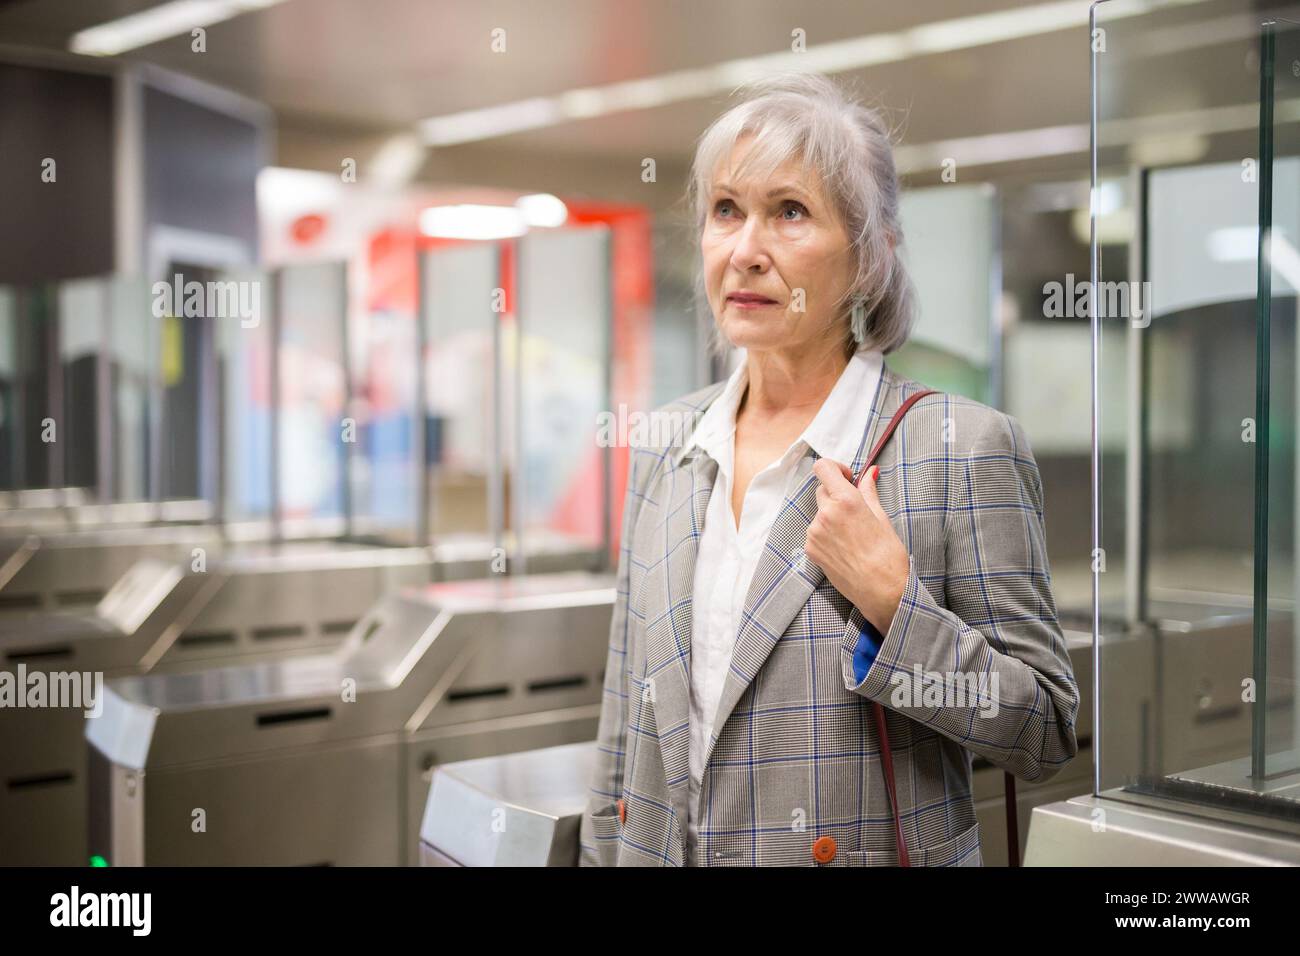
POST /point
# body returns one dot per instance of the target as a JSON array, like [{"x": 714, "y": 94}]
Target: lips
[{"x": 750, "y": 298}]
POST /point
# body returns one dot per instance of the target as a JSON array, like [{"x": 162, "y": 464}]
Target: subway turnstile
[
  {"x": 264, "y": 603},
  {"x": 74, "y": 569},
  {"x": 327, "y": 759},
  {"x": 521, "y": 809}
]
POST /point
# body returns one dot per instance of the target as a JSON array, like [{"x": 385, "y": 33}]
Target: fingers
[
  {"x": 834, "y": 477},
  {"x": 870, "y": 494}
]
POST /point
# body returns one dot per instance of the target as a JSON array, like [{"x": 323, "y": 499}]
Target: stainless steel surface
[
  {"x": 255, "y": 600},
  {"x": 1154, "y": 731},
  {"x": 519, "y": 809},
  {"x": 256, "y": 603},
  {"x": 315, "y": 759},
  {"x": 1098, "y": 831},
  {"x": 75, "y": 569},
  {"x": 1162, "y": 813},
  {"x": 1233, "y": 778}
]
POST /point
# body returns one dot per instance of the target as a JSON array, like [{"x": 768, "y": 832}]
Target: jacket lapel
[
  {"x": 785, "y": 577},
  {"x": 682, "y": 501}
]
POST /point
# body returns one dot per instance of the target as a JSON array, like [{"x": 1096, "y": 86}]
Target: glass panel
[
  {"x": 312, "y": 391},
  {"x": 951, "y": 249},
  {"x": 562, "y": 354},
  {"x": 678, "y": 332},
  {"x": 1174, "y": 297},
  {"x": 1275, "y": 754},
  {"x": 37, "y": 391},
  {"x": 457, "y": 298},
  {"x": 83, "y": 309},
  {"x": 245, "y": 353},
  {"x": 8, "y": 388},
  {"x": 384, "y": 487},
  {"x": 133, "y": 351},
  {"x": 187, "y": 407}
]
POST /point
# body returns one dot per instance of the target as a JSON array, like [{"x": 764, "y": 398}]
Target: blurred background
[{"x": 310, "y": 310}]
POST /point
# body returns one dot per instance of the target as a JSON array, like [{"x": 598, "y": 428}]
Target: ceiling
[{"x": 343, "y": 75}]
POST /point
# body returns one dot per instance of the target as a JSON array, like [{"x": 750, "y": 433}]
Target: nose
[{"x": 750, "y": 251}]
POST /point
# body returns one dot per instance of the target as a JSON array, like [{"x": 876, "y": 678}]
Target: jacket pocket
[
  {"x": 607, "y": 830},
  {"x": 961, "y": 850}
]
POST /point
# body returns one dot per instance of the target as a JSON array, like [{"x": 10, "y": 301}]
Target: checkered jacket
[{"x": 795, "y": 755}]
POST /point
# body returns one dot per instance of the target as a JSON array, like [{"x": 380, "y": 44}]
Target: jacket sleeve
[
  {"x": 611, "y": 733},
  {"x": 990, "y": 670}
]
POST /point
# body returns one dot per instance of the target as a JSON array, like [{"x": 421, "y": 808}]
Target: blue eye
[
  {"x": 720, "y": 204},
  {"x": 792, "y": 206}
]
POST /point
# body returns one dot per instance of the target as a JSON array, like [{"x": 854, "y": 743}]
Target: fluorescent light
[
  {"x": 542, "y": 209},
  {"x": 471, "y": 221},
  {"x": 991, "y": 148},
  {"x": 285, "y": 193},
  {"x": 396, "y": 161},
  {"x": 486, "y": 123},
  {"x": 158, "y": 23},
  {"x": 836, "y": 57}
]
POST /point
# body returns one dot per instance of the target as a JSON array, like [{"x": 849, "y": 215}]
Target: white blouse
[{"x": 728, "y": 556}]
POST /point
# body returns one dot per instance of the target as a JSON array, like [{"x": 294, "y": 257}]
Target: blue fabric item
[{"x": 864, "y": 655}]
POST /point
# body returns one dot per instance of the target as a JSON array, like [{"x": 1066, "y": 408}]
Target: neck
[{"x": 792, "y": 380}]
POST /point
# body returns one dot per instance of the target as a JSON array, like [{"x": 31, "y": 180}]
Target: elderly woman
[{"x": 765, "y": 600}]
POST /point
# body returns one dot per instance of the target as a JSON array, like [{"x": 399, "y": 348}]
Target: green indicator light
[{"x": 98, "y": 861}]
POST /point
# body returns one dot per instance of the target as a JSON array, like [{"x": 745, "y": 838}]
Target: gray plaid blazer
[{"x": 794, "y": 755}]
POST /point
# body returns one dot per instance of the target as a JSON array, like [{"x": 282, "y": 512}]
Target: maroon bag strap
[{"x": 887, "y": 756}]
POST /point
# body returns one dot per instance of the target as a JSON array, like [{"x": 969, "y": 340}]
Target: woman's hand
[{"x": 852, "y": 540}]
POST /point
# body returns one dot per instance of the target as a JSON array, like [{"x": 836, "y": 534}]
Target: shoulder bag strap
[{"x": 887, "y": 757}]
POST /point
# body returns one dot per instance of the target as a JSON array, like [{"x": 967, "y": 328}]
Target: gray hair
[{"x": 807, "y": 116}]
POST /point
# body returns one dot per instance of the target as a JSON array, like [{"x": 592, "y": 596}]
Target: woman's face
[{"x": 776, "y": 258}]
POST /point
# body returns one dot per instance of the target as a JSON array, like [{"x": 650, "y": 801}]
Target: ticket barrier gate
[
  {"x": 327, "y": 759},
  {"x": 521, "y": 809},
  {"x": 1186, "y": 796},
  {"x": 262, "y": 603},
  {"x": 74, "y": 569}
]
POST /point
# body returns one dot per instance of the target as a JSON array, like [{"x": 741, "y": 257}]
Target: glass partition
[
  {"x": 8, "y": 389},
  {"x": 246, "y": 351},
  {"x": 459, "y": 312},
  {"x": 83, "y": 331},
  {"x": 78, "y": 363},
  {"x": 1185, "y": 432},
  {"x": 951, "y": 250},
  {"x": 384, "y": 489},
  {"x": 560, "y": 472},
  {"x": 311, "y": 388},
  {"x": 1275, "y": 752},
  {"x": 37, "y": 400},
  {"x": 133, "y": 356}
]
